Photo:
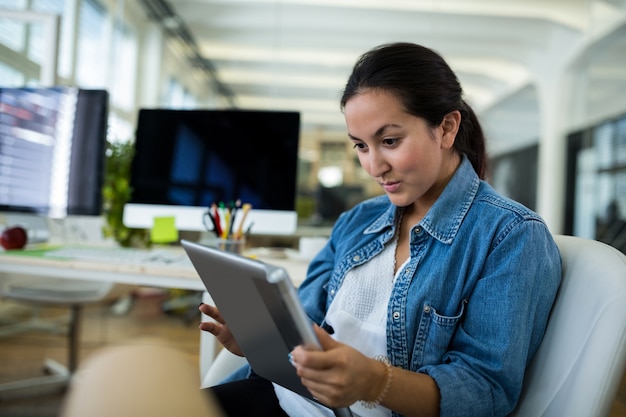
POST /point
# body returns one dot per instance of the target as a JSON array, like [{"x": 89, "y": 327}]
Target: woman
[{"x": 433, "y": 298}]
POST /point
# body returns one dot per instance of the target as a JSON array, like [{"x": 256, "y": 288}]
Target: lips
[{"x": 390, "y": 187}]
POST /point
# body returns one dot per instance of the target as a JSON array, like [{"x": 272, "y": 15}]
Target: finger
[
  {"x": 212, "y": 312},
  {"x": 318, "y": 390},
  {"x": 312, "y": 359},
  {"x": 323, "y": 388},
  {"x": 326, "y": 341},
  {"x": 210, "y": 327}
]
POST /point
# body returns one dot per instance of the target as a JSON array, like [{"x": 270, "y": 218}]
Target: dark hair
[{"x": 427, "y": 88}]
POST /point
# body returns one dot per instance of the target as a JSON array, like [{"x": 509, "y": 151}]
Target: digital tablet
[
  {"x": 261, "y": 307},
  {"x": 263, "y": 311}
]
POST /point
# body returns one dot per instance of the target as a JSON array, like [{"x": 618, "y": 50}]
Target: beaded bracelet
[{"x": 383, "y": 392}]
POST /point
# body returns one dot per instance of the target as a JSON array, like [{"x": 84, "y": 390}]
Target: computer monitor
[
  {"x": 52, "y": 150},
  {"x": 332, "y": 201},
  {"x": 185, "y": 160}
]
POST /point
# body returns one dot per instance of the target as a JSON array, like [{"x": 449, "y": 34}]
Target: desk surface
[{"x": 33, "y": 262}]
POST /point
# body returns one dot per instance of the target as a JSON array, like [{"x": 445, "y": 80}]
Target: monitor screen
[
  {"x": 52, "y": 150},
  {"x": 193, "y": 158}
]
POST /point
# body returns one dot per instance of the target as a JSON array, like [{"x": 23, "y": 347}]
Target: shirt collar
[{"x": 444, "y": 218}]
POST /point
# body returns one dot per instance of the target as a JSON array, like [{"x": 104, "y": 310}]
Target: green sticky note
[{"x": 164, "y": 230}]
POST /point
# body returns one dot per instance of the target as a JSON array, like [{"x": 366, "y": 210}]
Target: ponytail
[{"x": 470, "y": 140}]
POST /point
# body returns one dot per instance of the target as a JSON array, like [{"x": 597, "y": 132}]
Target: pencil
[
  {"x": 245, "y": 209},
  {"x": 227, "y": 220},
  {"x": 216, "y": 217},
  {"x": 233, "y": 215},
  {"x": 213, "y": 222}
]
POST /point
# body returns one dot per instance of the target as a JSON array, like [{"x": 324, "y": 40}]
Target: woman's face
[{"x": 410, "y": 160}]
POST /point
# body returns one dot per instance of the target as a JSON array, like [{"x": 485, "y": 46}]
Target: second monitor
[{"x": 185, "y": 160}]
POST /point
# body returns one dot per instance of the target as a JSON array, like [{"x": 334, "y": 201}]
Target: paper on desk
[{"x": 164, "y": 230}]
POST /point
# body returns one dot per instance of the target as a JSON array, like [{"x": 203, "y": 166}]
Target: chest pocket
[{"x": 434, "y": 335}]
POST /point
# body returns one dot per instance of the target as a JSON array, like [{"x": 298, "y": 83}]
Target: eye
[
  {"x": 360, "y": 146},
  {"x": 390, "y": 142}
]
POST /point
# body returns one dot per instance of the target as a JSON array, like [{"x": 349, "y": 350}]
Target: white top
[{"x": 358, "y": 315}]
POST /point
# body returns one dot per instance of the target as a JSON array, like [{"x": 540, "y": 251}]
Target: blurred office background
[{"x": 547, "y": 79}]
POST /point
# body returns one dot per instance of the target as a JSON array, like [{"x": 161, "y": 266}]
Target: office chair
[
  {"x": 579, "y": 365},
  {"x": 224, "y": 364},
  {"x": 39, "y": 292}
]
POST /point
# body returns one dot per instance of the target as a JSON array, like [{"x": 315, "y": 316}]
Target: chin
[{"x": 398, "y": 201}]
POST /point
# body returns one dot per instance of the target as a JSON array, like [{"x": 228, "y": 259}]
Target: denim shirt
[{"x": 470, "y": 307}]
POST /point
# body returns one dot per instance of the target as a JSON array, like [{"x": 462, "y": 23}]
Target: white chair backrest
[
  {"x": 580, "y": 363},
  {"x": 224, "y": 364}
]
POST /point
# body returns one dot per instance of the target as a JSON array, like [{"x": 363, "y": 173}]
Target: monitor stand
[{"x": 189, "y": 218}]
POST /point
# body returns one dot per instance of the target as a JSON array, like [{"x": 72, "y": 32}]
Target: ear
[{"x": 449, "y": 127}]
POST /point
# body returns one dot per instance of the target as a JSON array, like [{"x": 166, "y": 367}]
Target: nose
[{"x": 377, "y": 163}]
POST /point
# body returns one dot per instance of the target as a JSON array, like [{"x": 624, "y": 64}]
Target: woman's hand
[
  {"x": 338, "y": 375},
  {"x": 219, "y": 328}
]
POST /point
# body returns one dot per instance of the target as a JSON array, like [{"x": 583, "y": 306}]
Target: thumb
[{"x": 326, "y": 341}]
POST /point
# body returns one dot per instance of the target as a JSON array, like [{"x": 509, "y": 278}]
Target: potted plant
[{"x": 116, "y": 192}]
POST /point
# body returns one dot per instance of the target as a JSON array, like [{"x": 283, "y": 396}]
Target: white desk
[{"x": 163, "y": 276}]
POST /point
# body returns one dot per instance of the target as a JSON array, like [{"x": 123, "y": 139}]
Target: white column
[
  {"x": 552, "y": 153},
  {"x": 551, "y": 71},
  {"x": 149, "y": 67}
]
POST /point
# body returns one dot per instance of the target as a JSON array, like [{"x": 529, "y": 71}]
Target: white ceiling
[{"x": 297, "y": 54}]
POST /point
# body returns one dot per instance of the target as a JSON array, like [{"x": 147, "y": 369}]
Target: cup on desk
[
  {"x": 231, "y": 245},
  {"x": 309, "y": 246}
]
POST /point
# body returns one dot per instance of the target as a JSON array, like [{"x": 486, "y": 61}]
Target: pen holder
[{"x": 231, "y": 245}]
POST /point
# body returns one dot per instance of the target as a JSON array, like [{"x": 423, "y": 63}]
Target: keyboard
[{"x": 126, "y": 256}]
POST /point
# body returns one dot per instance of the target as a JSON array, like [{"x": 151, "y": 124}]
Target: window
[
  {"x": 123, "y": 85},
  {"x": 177, "y": 96},
  {"x": 13, "y": 33},
  {"x": 23, "y": 39},
  {"x": 92, "y": 49},
  {"x": 10, "y": 76},
  {"x": 35, "y": 41}
]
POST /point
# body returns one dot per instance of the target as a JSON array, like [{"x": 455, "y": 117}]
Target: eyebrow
[{"x": 379, "y": 131}]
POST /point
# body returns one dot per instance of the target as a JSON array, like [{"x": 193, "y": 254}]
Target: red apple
[{"x": 13, "y": 238}]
